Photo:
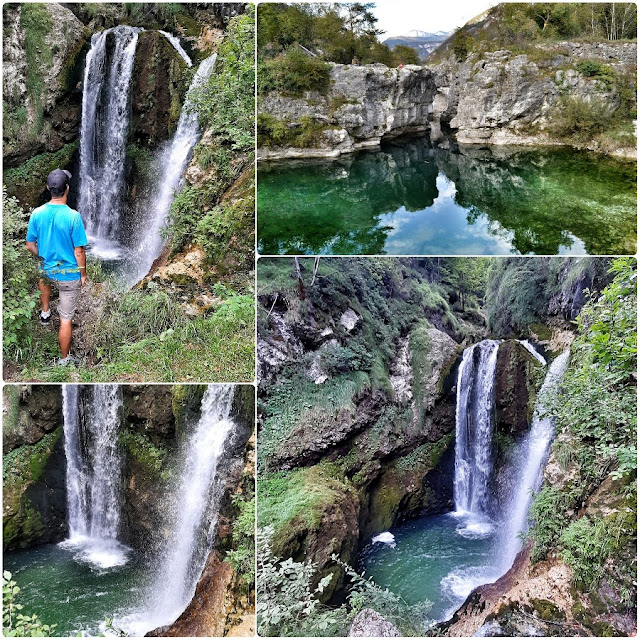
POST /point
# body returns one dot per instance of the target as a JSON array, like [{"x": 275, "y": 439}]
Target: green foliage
[
  {"x": 20, "y": 276},
  {"x": 225, "y": 104},
  {"x": 591, "y": 68},
  {"x": 25, "y": 465},
  {"x": 587, "y": 545},
  {"x": 549, "y": 517},
  {"x": 403, "y": 54},
  {"x": 304, "y": 134},
  {"x": 580, "y": 120},
  {"x": 31, "y": 176},
  {"x": 14, "y": 623},
  {"x": 243, "y": 554},
  {"x": 462, "y": 44},
  {"x": 144, "y": 451},
  {"x": 293, "y": 73},
  {"x": 287, "y": 604}
]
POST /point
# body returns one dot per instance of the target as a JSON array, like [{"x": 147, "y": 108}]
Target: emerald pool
[
  {"x": 439, "y": 559},
  {"x": 412, "y": 199}
]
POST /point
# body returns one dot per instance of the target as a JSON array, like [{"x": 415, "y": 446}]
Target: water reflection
[{"x": 412, "y": 199}]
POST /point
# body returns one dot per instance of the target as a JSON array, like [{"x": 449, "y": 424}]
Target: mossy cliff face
[
  {"x": 43, "y": 46},
  {"x": 158, "y": 87},
  {"x": 34, "y": 494}
]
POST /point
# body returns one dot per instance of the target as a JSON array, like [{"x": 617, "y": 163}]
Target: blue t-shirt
[{"x": 57, "y": 229}]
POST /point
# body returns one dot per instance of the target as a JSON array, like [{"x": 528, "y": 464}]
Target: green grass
[
  {"x": 212, "y": 349},
  {"x": 299, "y": 495}
]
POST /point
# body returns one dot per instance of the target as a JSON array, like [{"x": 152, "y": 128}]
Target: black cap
[{"x": 58, "y": 180}]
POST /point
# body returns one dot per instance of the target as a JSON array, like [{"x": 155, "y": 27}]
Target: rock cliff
[{"x": 491, "y": 98}]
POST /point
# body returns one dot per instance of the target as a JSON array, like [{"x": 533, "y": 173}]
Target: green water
[
  {"x": 411, "y": 199},
  {"x": 74, "y": 595},
  {"x": 440, "y": 559}
]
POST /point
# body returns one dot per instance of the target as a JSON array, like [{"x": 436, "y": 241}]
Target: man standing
[{"x": 56, "y": 235}]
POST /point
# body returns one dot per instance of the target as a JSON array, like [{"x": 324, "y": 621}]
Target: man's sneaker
[
  {"x": 63, "y": 362},
  {"x": 44, "y": 318}
]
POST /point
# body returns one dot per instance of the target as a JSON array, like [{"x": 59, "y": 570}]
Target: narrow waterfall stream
[
  {"x": 174, "y": 162},
  {"x": 196, "y": 501},
  {"x": 92, "y": 576},
  {"x": 94, "y": 468},
  {"x": 443, "y": 558}
]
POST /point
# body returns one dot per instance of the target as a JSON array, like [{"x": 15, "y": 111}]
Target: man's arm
[
  {"x": 81, "y": 259},
  {"x": 33, "y": 248}
]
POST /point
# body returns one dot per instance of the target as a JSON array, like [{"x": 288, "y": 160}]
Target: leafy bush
[
  {"x": 462, "y": 44},
  {"x": 549, "y": 517},
  {"x": 581, "y": 120},
  {"x": 20, "y": 276},
  {"x": 243, "y": 554},
  {"x": 293, "y": 73},
  {"x": 225, "y": 104},
  {"x": 278, "y": 133},
  {"x": 14, "y": 623}
]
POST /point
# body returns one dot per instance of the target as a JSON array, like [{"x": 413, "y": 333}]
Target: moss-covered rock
[
  {"x": 315, "y": 514},
  {"x": 34, "y": 493}
]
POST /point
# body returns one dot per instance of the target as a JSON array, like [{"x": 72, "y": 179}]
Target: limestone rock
[
  {"x": 370, "y": 624},
  {"x": 349, "y": 320}
]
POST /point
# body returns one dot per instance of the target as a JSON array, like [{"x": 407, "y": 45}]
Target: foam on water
[
  {"x": 99, "y": 554},
  {"x": 386, "y": 538}
]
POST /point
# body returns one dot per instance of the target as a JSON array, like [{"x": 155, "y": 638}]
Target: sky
[{"x": 398, "y": 17}]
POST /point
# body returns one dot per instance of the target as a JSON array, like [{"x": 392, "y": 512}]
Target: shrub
[
  {"x": 14, "y": 623},
  {"x": 20, "y": 276},
  {"x": 294, "y": 72},
  {"x": 243, "y": 554},
  {"x": 580, "y": 120}
]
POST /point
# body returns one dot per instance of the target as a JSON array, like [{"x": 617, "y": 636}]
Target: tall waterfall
[
  {"x": 103, "y": 131},
  {"x": 474, "y": 427},
  {"x": 196, "y": 507},
  {"x": 175, "y": 43},
  {"x": 174, "y": 162},
  {"x": 94, "y": 471},
  {"x": 534, "y": 452}
]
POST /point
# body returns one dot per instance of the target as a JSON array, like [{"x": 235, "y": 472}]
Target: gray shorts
[{"x": 69, "y": 292}]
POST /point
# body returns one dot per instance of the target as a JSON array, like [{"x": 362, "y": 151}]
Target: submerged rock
[{"x": 370, "y": 624}]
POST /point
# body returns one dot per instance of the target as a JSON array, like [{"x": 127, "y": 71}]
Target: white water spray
[
  {"x": 532, "y": 350},
  {"x": 94, "y": 469},
  {"x": 474, "y": 427},
  {"x": 196, "y": 506},
  {"x": 534, "y": 454},
  {"x": 175, "y": 43},
  {"x": 174, "y": 162},
  {"x": 103, "y": 132}
]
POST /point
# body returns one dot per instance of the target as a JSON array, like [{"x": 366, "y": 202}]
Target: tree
[{"x": 402, "y": 54}]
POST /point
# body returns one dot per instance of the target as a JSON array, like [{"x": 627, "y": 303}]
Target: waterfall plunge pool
[
  {"x": 412, "y": 199},
  {"x": 437, "y": 558},
  {"x": 78, "y": 596}
]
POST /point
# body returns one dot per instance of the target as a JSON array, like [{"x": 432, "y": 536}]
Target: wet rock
[
  {"x": 370, "y": 624},
  {"x": 401, "y": 374}
]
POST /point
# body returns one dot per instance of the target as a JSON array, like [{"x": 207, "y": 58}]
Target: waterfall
[
  {"x": 77, "y": 498},
  {"x": 532, "y": 350},
  {"x": 174, "y": 162},
  {"x": 94, "y": 471},
  {"x": 175, "y": 43},
  {"x": 534, "y": 452},
  {"x": 196, "y": 505},
  {"x": 474, "y": 428},
  {"x": 103, "y": 132}
]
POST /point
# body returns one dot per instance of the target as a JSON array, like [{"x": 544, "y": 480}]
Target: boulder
[{"x": 370, "y": 624}]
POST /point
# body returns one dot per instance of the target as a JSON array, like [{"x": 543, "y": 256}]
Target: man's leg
[
  {"x": 64, "y": 337},
  {"x": 45, "y": 294}
]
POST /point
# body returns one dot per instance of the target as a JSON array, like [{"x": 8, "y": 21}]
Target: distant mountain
[{"x": 422, "y": 41}]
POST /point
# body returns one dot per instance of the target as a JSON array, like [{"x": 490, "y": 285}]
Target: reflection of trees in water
[{"x": 543, "y": 198}]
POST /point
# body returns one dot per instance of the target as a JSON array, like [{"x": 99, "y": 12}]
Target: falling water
[
  {"x": 103, "y": 133},
  {"x": 189, "y": 540},
  {"x": 474, "y": 427},
  {"x": 93, "y": 473},
  {"x": 175, "y": 43},
  {"x": 533, "y": 351},
  {"x": 174, "y": 163},
  {"x": 77, "y": 498},
  {"x": 531, "y": 461}
]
